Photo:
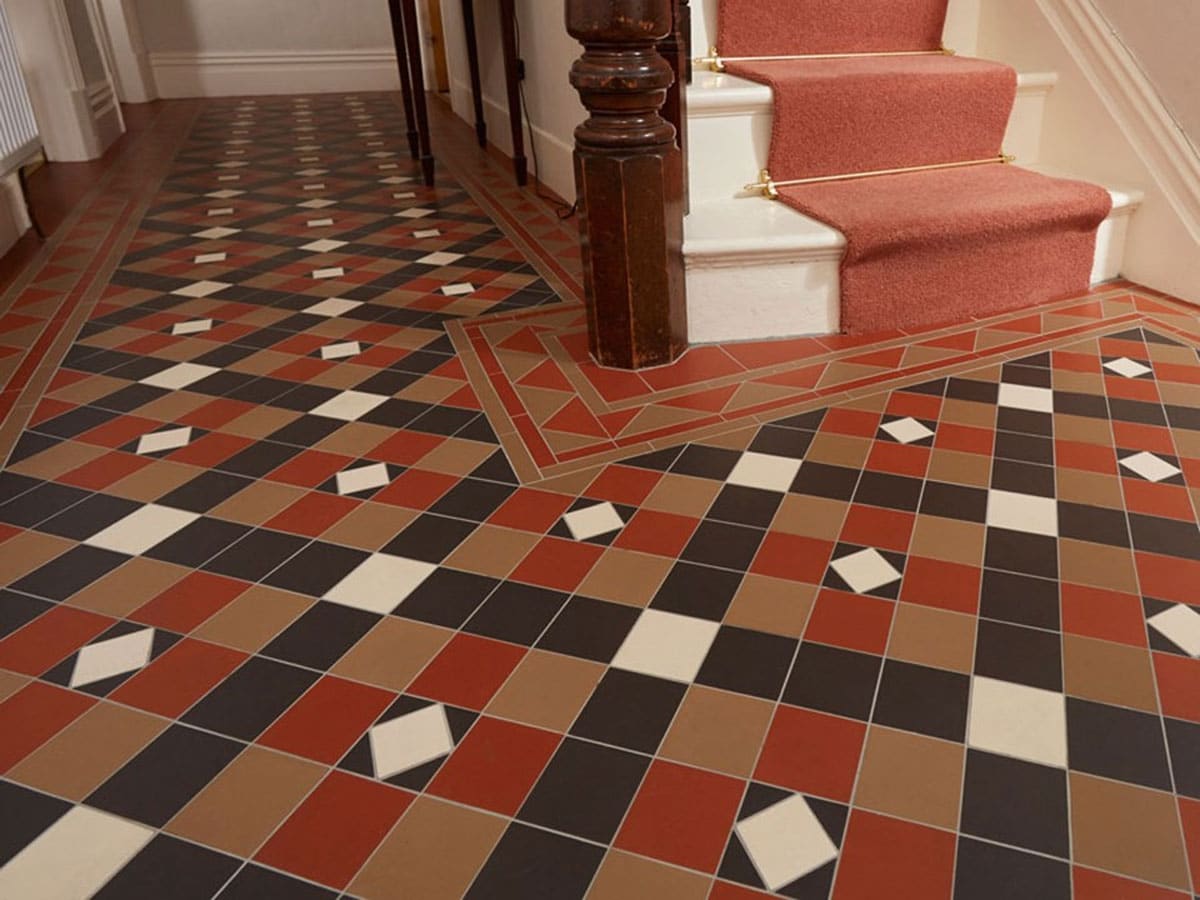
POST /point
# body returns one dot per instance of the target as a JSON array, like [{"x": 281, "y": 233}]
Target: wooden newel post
[{"x": 629, "y": 181}]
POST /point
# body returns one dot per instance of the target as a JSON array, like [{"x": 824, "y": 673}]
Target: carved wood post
[
  {"x": 675, "y": 50},
  {"x": 406, "y": 89},
  {"x": 629, "y": 178}
]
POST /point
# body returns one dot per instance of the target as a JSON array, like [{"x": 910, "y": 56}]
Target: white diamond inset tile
[
  {"x": 216, "y": 234},
  {"x": 1022, "y": 512},
  {"x": 907, "y": 431},
  {"x": 319, "y": 223},
  {"x": 317, "y": 203},
  {"x": 341, "y": 351},
  {"x": 427, "y": 233},
  {"x": 392, "y": 179},
  {"x": 179, "y": 376},
  {"x": 142, "y": 529},
  {"x": 225, "y": 194},
  {"x": 1181, "y": 626},
  {"x": 221, "y": 211},
  {"x": 349, "y": 405},
  {"x": 416, "y": 212},
  {"x": 325, "y": 245},
  {"x": 159, "y": 441},
  {"x": 866, "y": 570},
  {"x": 380, "y": 583},
  {"x": 1128, "y": 368},
  {"x": 410, "y": 741},
  {"x": 593, "y": 521},
  {"x": 194, "y": 327},
  {"x": 666, "y": 645},
  {"x": 1017, "y": 720},
  {"x": 334, "y": 306},
  {"x": 440, "y": 259},
  {"x": 1024, "y": 396},
  {"x": 785, "y": 842},
  {"x": 364, "y": 478},
  {"x": 200, "y": 289},
  {"x": 205, "y": 258},
  {"x": 116, "y": 656},
  {"x": 324, "y": 274},
  {"x": 458, "y": 290},
  {"x": 764, "y": 471},
  {"x": 1150, "y": 467}
]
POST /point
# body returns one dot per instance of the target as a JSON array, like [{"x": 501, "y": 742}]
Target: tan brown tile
[
  {"x": 27, "y": 551},
  {"x": 456, "y": 457},
  {"x": 933, "y": 637},
  {"x": 89, "y": 389},
  {"x": 911, "y": 776},
  {"x": 1127, "y": 829},
  {"x": 955, "y": 467},
  {"x": 733, "y": 440},
  {"x": 83, "y": 755},
  {"x": 1078, "y": 382},
  {"x": 1082, "y": 429},
  {"x": 433, "y": 853},
  {"x": 814, "y": 517},
  {"x": 155, "y": 480},
  {"x": 718, "y": 730},
  {"x": 260, "y": 422},
  {"x": 356, "y": 439},
  {"x": 1081, "y": 562},
  {"x": 255, "y": 617},
  {"x": 1089, "y": 488},
  {"x": 966, "y": 412},
  {"x": 949, "y": 540},
  {"x": 57, "y": 460},
  {"x": 773, "y": 605},
  {"x": 626, "y": 576},
  {"x": 682, "y": 495},
  {"x": 370, "y": 526},
  {"x": 1109, "y": 673},
  {"x": 492, "y": 551},
  {"x": 839, "y": 450},
  {"x": 240, "y": 808},
  {"x": 392, "y": 653},
  {"x": 10, "y": 683},
  {"x": 430, "y": 389},
  {"x": 128, "y": 587},
  {"x": 547, "y": 690},
  {"x": 257, "y": 503},
  {"x": 571, "y": 483},
  {"x": 175, "y": 405},
  {"x": 623, "y": 876}
]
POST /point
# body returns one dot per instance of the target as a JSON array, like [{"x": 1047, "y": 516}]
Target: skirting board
[{"x": 302, "y": 72}]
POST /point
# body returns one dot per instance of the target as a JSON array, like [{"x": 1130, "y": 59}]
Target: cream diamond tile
[
  {"x": 116, "y": 656},
  {"x": 410, "y": 741}
]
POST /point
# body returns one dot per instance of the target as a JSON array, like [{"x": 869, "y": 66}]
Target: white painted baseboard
[
  {"x": 283, "y": 72},
  {"x": 13, "y": 221}
]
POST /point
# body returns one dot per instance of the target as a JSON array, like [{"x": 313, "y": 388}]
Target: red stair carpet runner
[{"x": 924, "y": 247}]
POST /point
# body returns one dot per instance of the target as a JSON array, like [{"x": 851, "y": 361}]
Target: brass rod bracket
[{"x": 765, "y": 185}]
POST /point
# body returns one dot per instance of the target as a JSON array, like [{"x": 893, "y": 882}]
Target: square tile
[
  {"x": 812, "y": 752},
  {"x": 1117, "y": 743},
  {"x": 1150, "y": 467},
  {"x": 1127, "y": 368},
  {"x": 201, "y": 289},
  {"x": 179, "y": 376},
  {"x": 666, "y": 645},
  {"x": 332, "y": 307},
  {"x": 593, "y": 521},
  {"x": 1180, "y": 624},
  {"x": 349, "y": 406},
  {"x": 986, "y": 871},
  {"x": 747, "y": 662},
  {"x": 439, "y": 259},
  {"x": 929, "y": 701},
  {"x": 1016, "y": 803},
  {"x": 341, "y": 351},
  {"x": 1016, "y": 720},
  {"x": 629, "y": 710},
  {"x": 167, "y": 865},
  {"x": 380, "y": 583},
  {"x": 495, "y": 765},
  {"x": 410, "y": 741},
  {"x": 197, "y": 326},
  {"x": 717, "y": 730},
  {"x": 104, "y": 659},
  {"x": 320, "y": 636},
  {"x": 1026, "y": 397},
  {"x": 546, "y": 690},
  {"x": 142, "y": 530},
  {"x": 907, "y": 430},
  {"x": 785, "y": 842},
  {"x": 911, "y": 776},
  {"x": 1022, "y": 512},
  {"x": 159, "y": 441},
  {"x": 761, "y": 470},
  {"x": 833, "y": 680},
  {"x": 250, "y": 699},
  {"x": 531, "y": 862},
  {"x": 865, "y": 571}
]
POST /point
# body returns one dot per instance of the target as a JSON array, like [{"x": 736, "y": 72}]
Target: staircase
[{"x": 783, "y": 266}]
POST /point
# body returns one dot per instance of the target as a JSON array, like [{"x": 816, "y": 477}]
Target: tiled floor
[{"x": 319, "y": 585}]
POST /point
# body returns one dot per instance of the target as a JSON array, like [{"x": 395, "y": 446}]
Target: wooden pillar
[
  {"x": 676, "y": 50},
  {"x": 513, "y": 75},
  {"x": 416, "y": 66},
  {"x": 406, "y": 90},
  {"x": 468, "y": 14},
  {"x": 629, "y": 181}
]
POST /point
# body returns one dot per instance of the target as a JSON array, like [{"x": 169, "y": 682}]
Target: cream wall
[{"x": 13, "y": 221}]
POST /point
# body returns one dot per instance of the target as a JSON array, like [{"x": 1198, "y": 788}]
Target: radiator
[{"x": 18, "y": 130}]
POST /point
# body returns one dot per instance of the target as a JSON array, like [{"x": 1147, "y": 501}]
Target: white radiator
[{"x": 18, "y": 130}]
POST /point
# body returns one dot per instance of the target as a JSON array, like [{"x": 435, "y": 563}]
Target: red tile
[
  {"x": 848, "y": 620},
  {"x": 1178, "y": 686},
  {"x": 1145, "y": 437},
  {"x": 51, "y": 637},
  {"x": 531, "y": 510},
  {"x": 215, "y": 414},
  {"x": 310, "y": 468},
  {"x": 468, "y": 671},
  {"x": 313, "y": 514},
  {"x": 945, "y": 585},
  {"x": 854, "y": 422},
  {"x": 178, "y": 678},
  {"x": 1108, "y": 615},
  {"x": 883, "y": 857},
  {"x": 331, "y": 834},
  {"x": 1167, "y": 577},
  {"x": 650, "y": 531},
  {"x": 495, "y": 766},
  {"x": 793, "y": 557},
  {"x": 1189, "y": 813},
  {"x": 624, "y": 484},
  {"x": 885, "y": 529},
  {"x": 104, "y": 470},
  {"x": 682, "y": 815},
  {"x": 416, "y": 489},
  {"x": 211, "y": 449},
  {"x": 1088, "y": 457},
  {"x": 899, "y": 459},
  {"x": 964, "y": 438},
  {"x": 1092, "y": 885},
  {"x": 1167, "y": 501},
  {"x": 723, "y": 890},
  {"x": 32, "y": 716},
  {"x": 119, "y": 431},
  {"x": 328, "y": 719},
  {"x": 557, "y": 563},
  {"x": 190, "y": 602},
  {"x": 919, "y": 406},
  {"x": 812, "y": 752},
  {"x": 698, "y": 364}
]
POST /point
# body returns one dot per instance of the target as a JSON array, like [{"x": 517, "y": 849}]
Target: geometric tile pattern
[{"x": 284, "y": 610}]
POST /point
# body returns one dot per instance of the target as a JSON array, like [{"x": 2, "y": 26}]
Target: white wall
[
  {"x": 548, "y": 51},
  {"x": 13, "y": 221}
]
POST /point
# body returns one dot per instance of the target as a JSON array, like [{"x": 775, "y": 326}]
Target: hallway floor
[{"x": 332, "y": 567}]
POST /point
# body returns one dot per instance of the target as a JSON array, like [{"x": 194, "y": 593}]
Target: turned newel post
[{"x": 629, "y": 180}]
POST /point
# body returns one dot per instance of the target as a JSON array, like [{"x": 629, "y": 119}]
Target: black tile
[
  {"x": 1117, "y": 743},
  {"x": 1021, "y": 599},
  {"x": 196, "y": 543},
  {"x": 529, "y": 862},
  {"x": 34, "y": 506},
  {"x": 954, "y": 501},
  {"x": 1169, "y": 537},
  {"x": 286, "y": 395},
  {"x": 89, "y": 517},
  {"x": 447, "y": 597},
  {"x": 585, "y": 790},
  {"x": 889, "y": 591},
  {"x": 394, "y": 413},
  {"x": 472, "y": 499},
  {"x": 1183, "y": 739},
  {"x": 781, "y": 441},
  {"x": 161, "y": 641},
  {"x": 1137, "y": 411},
  {"x": 250, "y": 699},
  {"x": 131, "y": 398},
  {"x": 306, "y": 431},
  {"x": 748, "y": 662},
  {"x": 71, "y": 572},
  {"x": 167, "y": 867},
  {"x": 698, "y": 591},
  {"x": 445, "y": 420},
  {"x": 745, "y": 506},
  {"x": 987, "y": 872},
  {"x": 165, "y": 776},
  {"x": 705, "y": 462},
  {"x": 834, "y": 680},
  {"x": 922, "y": 699},
  {"x": 256, "y": 883},
  {"x": 1091, "y": 406},
  {"x": 17, "y": 610},
  {"x": 1025, "y": 448},
  {"x": 591, "y": 629},
  {"x": 516, "y": 612},
  {"x": 430, "y": 538},
  {"x": 975, "y": 391},
  {"x": 387, "y": 382},
  {"x": 889, "y": 491},
  {"x": 361, "y": 759},
  {"x": 14, "y": 485},
  {"x": 259, "y": 459},
  {"x": 27, "y": 814},
  {"x": 1023, "y": 655},
  {"x": 629, "y": 710},
  {"x": 1024, "y": 421},
  {"x": 1023, "y": 478},
  {"x": 1016, "y": 551},
  {"x": 257, "y": 554},
  {"x": 316, "y": 569},
  {"x": 1033, "y": 376},
  {"x": 497, "y": 468},
  {"x": 321, "y": 636},
  {"x": 75, "y": 422},
  {"x": 724, "y": 545},
  {"x": 821, "y": 480},
  {"x": 1097, "y": 524},
  {"x": 205, "y": 491},
  {"x": 1015, "y": 802},
  {"x": 1186, "y": 417}
]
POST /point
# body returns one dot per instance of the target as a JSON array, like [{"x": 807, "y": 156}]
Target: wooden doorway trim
[{"x": 437, "y": 46}]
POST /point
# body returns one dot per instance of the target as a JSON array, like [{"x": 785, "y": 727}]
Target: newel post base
[{"x": 629, "y": 182}]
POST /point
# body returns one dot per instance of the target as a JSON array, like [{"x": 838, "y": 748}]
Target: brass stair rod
[
  {"x": 716, "y": 62},
  {"x": 770, "y": 187}
]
